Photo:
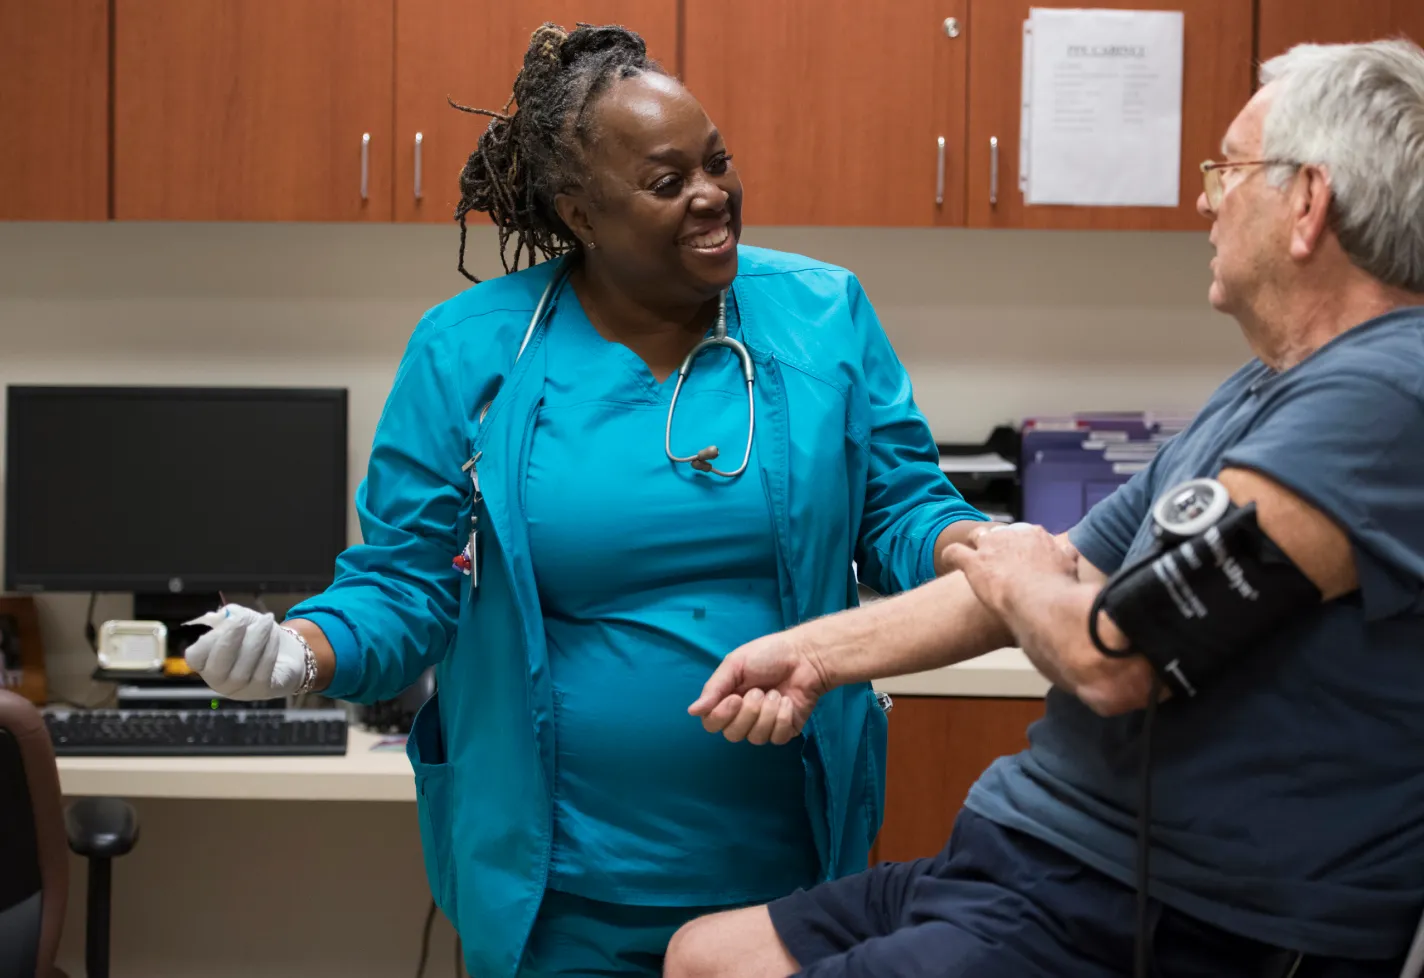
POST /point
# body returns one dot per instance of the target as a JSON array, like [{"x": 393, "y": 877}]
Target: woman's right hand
[
  {"x": 763, "y": 692},
  {"x": 246, "y": 655}
]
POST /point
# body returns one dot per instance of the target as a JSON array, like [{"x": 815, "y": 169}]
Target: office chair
[
  {"x": 1414, "y": 964},
  {"x": 36, "y": 834}
]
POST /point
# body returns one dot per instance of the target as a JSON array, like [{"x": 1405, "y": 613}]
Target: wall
[{"x": 993, "y": 326}]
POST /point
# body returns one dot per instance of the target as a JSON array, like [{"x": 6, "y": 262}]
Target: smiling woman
[
  {"x": 573, "y": 815},
  {"x": 607, "y": 158}
]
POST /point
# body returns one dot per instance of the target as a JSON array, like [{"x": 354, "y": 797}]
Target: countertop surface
[{"x": 1003, "y": 672}]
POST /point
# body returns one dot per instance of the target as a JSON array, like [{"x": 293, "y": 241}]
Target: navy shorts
[{"x": 997, "y": 903}]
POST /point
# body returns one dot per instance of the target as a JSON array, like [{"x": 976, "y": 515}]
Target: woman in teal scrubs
[{"x": 573, "y": 814}]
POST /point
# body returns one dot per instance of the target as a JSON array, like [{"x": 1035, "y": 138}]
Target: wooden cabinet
[
  {"x": 838, "y": 112},
  {"x": 1281, "y": 24},
  {"x": 1216, "y": 83},
  {"x": 261, "y": 110},
  {"x": 471, "y": 52},
  {"x": 54, "y": 110},
  {"x": 833, "y": 109},
  {"x": 938, "y": 748}
]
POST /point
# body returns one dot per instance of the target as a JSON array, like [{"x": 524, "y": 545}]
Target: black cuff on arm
[{"x": 1196, "y": 607}]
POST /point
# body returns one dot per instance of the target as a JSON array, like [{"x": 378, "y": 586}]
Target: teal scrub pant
[{"x": 573, "y": 936}]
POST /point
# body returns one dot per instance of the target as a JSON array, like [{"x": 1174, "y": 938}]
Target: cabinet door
[
  {"x": 263, "y": 110},
  {"x": 54, "y": 110},
  {"x": 833, "y": 109},
  {"x": 1216, "y": 83},
  {"x": 1281, "y": 24},
  {"x": 470, "y": 52},
  {"x": 938, "y": 748}
]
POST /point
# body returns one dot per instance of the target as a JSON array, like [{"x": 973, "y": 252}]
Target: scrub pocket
[
  {"x": 877, "y": 735},
  {"x": 425, "y": 748}
]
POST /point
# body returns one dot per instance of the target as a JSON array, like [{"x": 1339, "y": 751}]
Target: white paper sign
[{"x": 1103, "y": 107}]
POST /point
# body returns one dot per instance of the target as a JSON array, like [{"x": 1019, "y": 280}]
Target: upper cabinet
[
  {"x": 1285, "y": 23},
  {"x": 1216, "y": 83},
  {"x": 847, "y": 112},
  {"x": 54, "y": 110},
  {"x": 470, "y": 52},
  {"x": 260, "y": 110},
  {"x": 837, "y": 112}
]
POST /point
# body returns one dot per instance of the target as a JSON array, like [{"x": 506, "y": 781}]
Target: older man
[{"x": 1280, "y": 644}]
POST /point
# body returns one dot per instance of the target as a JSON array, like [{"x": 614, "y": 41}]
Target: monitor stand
[{"x": 173, "y": 610}]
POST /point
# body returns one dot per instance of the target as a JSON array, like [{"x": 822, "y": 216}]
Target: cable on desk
[
  {"x": 89, "y": 631},
  {"x": 425, "y": 940}
]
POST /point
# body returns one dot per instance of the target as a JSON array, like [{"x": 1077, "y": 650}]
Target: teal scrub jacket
[{"x": 851, "y": 474}]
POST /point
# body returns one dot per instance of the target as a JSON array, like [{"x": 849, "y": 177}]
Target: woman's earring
[{"x": 591, "y": 246}]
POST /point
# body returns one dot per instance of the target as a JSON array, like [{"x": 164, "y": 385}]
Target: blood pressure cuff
[{"x": 1201, "y": 603}]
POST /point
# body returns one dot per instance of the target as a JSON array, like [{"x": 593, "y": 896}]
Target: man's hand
[
  {"x": 1000, "y": 561},
  {"x": 1040, "y": 586},
  {"x": 763, "y": 692}
]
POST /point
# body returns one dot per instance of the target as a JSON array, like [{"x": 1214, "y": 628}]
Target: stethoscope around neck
[{"x": 702, "y": 460}]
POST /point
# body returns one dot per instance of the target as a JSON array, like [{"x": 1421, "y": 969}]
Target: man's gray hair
[{"x": 1357, "y": 110}]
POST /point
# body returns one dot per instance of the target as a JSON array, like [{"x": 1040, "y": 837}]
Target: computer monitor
[{"x": 174, "y": 490}]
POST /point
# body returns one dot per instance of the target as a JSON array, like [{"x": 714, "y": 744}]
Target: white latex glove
[{"x": 246, "y": 655}]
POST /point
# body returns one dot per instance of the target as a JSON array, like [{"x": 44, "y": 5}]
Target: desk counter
[
  {"x": 1003, "y": 673},
  {"x": 362, "y": 774}
]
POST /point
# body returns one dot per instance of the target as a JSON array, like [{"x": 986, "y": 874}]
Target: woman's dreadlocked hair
[{"x": 528, "y": 156}]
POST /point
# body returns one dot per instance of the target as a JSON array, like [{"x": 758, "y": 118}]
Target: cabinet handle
[
  {"x": 419, "y": 139},
  {"x": 939, "y": 178},
  {"x": 365, "y": 163},
  {"x": 951, "y": 27},
  {"x": 993, "y": 171}
]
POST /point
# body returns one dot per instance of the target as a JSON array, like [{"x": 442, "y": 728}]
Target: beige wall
[{"x": 992, "y": 326}]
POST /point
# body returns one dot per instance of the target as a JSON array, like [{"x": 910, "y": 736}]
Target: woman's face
[{"x": 663, "y": 208}]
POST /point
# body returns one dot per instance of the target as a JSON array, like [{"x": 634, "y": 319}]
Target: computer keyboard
[{"x": 184, "y": 732}]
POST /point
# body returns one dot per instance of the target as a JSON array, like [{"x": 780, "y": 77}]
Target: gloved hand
[{"x": 247, "y": 655}]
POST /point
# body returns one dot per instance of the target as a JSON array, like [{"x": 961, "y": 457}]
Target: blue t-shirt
[
  {"x": 648, "y": 575},
  {"x": 1288, "y": 799}
]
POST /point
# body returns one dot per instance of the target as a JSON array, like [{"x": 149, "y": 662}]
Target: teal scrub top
[
  {"x": 648, "y": 574},
  {"x": 849, "y": 471}
]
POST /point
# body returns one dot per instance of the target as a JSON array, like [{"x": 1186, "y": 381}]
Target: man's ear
[
  {"x": 1310, "y": 211},
  {"x": 573, "y": 208}
]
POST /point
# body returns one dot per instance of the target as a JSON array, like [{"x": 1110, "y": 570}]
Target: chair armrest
[{"x": 101, "y": 827}]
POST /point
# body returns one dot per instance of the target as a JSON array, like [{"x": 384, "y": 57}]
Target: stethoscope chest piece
[{"x": 702, "y": 460}]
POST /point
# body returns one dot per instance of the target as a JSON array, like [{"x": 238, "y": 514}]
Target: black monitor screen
[{"x": 163, "y": 489}]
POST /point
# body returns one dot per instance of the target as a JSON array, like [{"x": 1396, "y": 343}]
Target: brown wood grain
[
  {"x": 832, "y": 108},
  {"x": 1284, "y": 23},
  {"x": 938, "y": 748},
  {"x": 471, "y": 52},
  {"x": 252, "y": 109},
  {"x": 1216, "y": 83},
  {"x": 54, "y": 110},
  {"x": 20, "y": 609}
]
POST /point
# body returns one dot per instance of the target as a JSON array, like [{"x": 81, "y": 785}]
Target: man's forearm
[
  {"x": 1049, "y": 621},
  {"x": 934, "y": 625}
]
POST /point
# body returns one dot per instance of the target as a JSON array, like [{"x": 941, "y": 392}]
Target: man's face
[{"x": 1250, "y": 227}]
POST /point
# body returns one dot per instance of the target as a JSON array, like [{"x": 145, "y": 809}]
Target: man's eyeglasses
[{"x": 1212, "y": 176}]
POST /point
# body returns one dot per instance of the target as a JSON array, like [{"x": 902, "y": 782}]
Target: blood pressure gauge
[
  {"x": 135, "y": 646},
  {"x": 1189, "y": 509}
]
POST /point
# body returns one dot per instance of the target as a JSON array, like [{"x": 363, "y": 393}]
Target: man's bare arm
[
  {"x": 936, "y": 624},
  {"x": 1048, "y": 611}
]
